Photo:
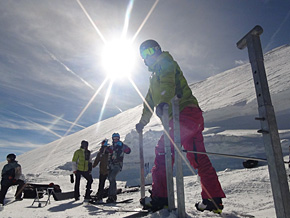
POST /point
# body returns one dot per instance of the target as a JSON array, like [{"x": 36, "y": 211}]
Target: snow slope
[{"x": 229, "y": 104}]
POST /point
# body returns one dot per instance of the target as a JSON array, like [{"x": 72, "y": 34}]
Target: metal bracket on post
[
  {"x": 178, "y": 159},
  {"x": 269, "y": 129},
  {"x": 142, "y": 177},
  {"x": 289, "y": 159},
  {"x": 168, "y": 159}
]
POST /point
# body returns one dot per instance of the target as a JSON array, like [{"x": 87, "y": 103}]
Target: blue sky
[{"x": 50, "y": 56}]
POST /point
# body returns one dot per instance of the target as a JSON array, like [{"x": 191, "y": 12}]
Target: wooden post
[
  {"x": 269, "y": 129},
  {"x": 168, "y": 159},
  {"x": 178, "y": 159}
]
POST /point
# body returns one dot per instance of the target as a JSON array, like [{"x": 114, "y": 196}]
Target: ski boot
[
  {"x": 154, "y": 203},
  {"x": 111, "y": 199},
  {"x": 215, "y": 205}
]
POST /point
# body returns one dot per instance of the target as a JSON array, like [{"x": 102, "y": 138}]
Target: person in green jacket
[
  {"x": 82, "y": 166},
  {"x": 167, "y": 81}
]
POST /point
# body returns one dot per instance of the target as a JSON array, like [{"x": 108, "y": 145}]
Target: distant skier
[
  {"x": 116, "y": 156},
  {"x": 102, "y": 158},
  {"x": 11, "y": 175},
  {"x": 82, "y": 166},
  {"x": 166, "y": 81}
]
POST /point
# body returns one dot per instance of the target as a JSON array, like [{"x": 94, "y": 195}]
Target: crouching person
[
  {"x": 82, "y": 166},
  {"x": 11, "y": 175},
  {"x": 115, "y": 164}
]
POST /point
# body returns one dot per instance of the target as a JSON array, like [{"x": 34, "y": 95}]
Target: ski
[
  {"x": 236, "y": 214},
  {"x": 7, "y": 203},
  {"x": 141, "y": 213},
  {"x": 117, "y": 202},
  {"x": 10, "y": 202},
  {"x": 135, "y": 213}
]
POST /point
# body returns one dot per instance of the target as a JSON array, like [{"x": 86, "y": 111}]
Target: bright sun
[{"x": 118, "y": 58}]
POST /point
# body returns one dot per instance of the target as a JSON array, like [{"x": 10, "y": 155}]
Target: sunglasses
[{"x": 147, "y": 52}]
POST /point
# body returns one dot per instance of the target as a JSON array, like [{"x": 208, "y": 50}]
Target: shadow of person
[{"x": 65, "y": 206}]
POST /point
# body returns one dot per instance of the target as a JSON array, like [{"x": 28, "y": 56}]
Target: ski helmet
[
  {"x": 11, "y": 157},
  {"x": 149, "y": 48},
  {"x": 116, "y": 135},
  {"x": 84, "y": 143},
  {"x": 105, "y": 142}
]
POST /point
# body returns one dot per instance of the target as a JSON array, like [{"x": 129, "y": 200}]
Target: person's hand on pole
[
  {"x": 139, "y": 127},
  {"x": 159, "y": 109}
]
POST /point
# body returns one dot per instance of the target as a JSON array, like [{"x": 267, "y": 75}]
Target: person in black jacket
[
  {"x": 11, "y": 174},
  {"x": 102, "y": 159},
  {"x": 116, "y": 156}
]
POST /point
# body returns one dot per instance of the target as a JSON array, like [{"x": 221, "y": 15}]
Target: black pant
[
  {"x": 102, "y": 180},
  {"x": 4, "y": 189},
  {"x": 89, "y": 178}
]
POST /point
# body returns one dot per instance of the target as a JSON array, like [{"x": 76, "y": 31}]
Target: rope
[{"x": 230, "y": 155}]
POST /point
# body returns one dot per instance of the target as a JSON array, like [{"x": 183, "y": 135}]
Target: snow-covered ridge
[{"x": 232, "y": 93}]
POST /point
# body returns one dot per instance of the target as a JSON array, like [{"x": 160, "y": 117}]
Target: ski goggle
[
  {"x": 116, "y": 138},
  {"x": 147, "y": 52}
]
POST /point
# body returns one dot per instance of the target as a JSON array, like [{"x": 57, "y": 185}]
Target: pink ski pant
[{"x": 191, "y": 127}]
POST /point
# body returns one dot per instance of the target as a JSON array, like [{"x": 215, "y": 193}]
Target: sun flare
[{"x": 118, "y": 58}]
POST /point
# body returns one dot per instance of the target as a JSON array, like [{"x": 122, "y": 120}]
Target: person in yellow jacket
[{"x": 82, "y": 166}]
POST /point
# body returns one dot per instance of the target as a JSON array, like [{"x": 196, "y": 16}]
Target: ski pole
[
  {"x": 168, "y": 159},
  {"x": 142, "y": 179},
  {"x": 179, "y": 172},
  {"x": 230, "y": 155}
]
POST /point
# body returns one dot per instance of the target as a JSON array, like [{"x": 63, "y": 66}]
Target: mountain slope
[{"x": 229, "y": 103}]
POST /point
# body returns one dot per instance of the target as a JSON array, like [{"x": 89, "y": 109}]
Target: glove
[
  {"x": 159, "y": 109},
  {"x": 119, "y": 143},
  {"x": 72, "y": 180},
  {"x": 139, "y": 127}
]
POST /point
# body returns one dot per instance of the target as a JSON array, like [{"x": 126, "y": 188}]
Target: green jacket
[
  {"x": 164, "y": 80},
  {"x": 82, "y": 160}
]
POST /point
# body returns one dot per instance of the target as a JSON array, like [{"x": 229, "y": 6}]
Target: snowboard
[
  {"x": 59, "y": 196},
  {"x": 117, "y": 202},
  {"x": 119, "y": 191}
]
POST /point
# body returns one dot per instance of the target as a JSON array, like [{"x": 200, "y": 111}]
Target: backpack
[{"x": 10, "y": 174}]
